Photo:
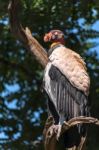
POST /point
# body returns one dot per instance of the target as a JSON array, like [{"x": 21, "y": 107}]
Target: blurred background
[{"x": 22, "y": 104}]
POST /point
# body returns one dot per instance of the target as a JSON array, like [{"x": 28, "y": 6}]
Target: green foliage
[{"x": 22, "y": 104}]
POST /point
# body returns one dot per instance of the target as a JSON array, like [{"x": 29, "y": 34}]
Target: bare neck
[{"x": 54, "y": 44}]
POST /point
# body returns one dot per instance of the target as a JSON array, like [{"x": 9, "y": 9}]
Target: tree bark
[{"x": 24, "y": 35}]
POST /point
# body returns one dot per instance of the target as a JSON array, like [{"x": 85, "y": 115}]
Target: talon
[
  {"x": 58, "y": 132},
  {"x": 54, "y": 129}
]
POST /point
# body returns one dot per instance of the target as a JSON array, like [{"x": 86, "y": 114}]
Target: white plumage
[{"x": 72, "y": 66}]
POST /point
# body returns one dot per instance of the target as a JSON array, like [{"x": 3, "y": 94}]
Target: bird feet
[{"x": 54, "y": 129}]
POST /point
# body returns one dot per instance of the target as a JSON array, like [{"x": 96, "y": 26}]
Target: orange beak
[{"x": 47, "y": 37}]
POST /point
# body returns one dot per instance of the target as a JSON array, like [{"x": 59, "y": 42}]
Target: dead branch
[
  {"x": 50, "y": 136},
  {"x": 25, "y": 35},
  {"x": 79, "y": 120}
]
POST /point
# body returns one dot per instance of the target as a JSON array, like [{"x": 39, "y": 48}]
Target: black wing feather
[
  {"x": 70, "y": 101},
  {"x": 66, "y": 102}
]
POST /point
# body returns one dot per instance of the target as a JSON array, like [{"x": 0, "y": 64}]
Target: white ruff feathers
[{"x": 72, "y": 66}]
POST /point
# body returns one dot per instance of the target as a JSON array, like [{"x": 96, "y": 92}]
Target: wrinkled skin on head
[{"x": 54, "y": 36}]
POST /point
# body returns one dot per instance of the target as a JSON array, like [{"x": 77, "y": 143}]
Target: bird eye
[{"x": 60, "y": 36}]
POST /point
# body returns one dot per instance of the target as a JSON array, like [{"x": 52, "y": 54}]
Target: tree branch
[
  {"x": 25, "y": 35},
  {"x": 50, "y": 141}
]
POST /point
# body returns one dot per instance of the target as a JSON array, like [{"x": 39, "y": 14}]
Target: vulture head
[{"x": 54, "y": 36}]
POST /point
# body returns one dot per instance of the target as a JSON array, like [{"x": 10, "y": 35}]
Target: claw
[
  {"x": 58, "y": 132},
  {"x": 54, "y": 129}
]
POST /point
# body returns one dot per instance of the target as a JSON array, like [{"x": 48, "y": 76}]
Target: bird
[{"x": 66, "y": 83}]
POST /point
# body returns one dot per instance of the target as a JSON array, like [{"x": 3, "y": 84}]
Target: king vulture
[{"x": 66, "y": 83}]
